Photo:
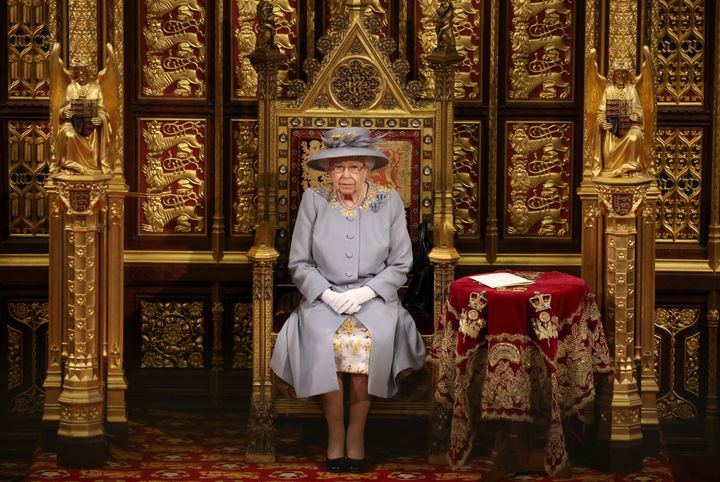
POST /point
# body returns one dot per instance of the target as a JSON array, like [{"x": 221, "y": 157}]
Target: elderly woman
[{"x": 350, "y": 253}]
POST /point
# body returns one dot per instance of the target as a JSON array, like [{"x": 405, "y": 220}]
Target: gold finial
[{"x": 356, "y": 9}]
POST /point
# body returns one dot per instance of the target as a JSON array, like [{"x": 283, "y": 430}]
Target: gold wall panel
[
  {"x": 172, "y": 334},
  {"x": 172, "y": 175},
  {"x": 677, "y": 331},
  {"x": 28, "y": 153},
  {"x": 622, "y": 34},
  {"x": 173, "y": 48},
  {"x": 242, "y": 346},
  {"x": 244, "y": 21},
  {"x": 538, "y": 182},
  {"x": 540, "y": 46},
  {"x": 466, "y": 177},
  {"x": 426, "y": 43},
  {"x": 681, "y": 60},
  {"x": 244, "y": 24},
  {"x": 28, "y": 47},
  {"x": 468, "y": 28},
  {"x": 679, "y": 154},
  {"x": 244, "y": 175},
  {"x": 286, "y": 38},
  {"x": 27, "y": 345},
  {"x": 82, "y": 29}
]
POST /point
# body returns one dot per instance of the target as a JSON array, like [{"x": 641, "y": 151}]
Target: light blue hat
[{"x": 347, "y": 142}]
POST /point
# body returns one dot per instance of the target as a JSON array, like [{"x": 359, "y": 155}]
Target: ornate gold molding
[
  {"x": 182, "y": 257},
  {"x": 243, "y": 20},
  {"x": 83, "y": 29},
  {"x": 118, "y": 41},
  {"x": 714, "y": 232},
  {"x": 622, "y": 36},
  {"x": 491, "y": 228}
]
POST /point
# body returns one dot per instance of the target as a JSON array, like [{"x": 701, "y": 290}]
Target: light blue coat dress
[{"x": 335, "y": 247}]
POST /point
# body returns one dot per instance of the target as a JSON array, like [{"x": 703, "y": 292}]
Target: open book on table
[{"x": 498, "y": 280}]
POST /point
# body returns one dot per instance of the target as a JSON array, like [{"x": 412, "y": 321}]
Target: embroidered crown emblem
[
  {"x": 541, "y": 301},
  {"x": 478, "y": 300}
]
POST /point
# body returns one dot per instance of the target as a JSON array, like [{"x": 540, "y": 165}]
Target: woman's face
[{"x": 348, "y": 175}]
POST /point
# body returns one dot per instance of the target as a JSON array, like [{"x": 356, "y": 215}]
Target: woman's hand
[
  {"x": 361, "y": 295},
  {"x": 340, "y": 302}
]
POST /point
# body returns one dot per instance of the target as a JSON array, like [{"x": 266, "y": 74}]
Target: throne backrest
[{"x": 355, "y": 84}]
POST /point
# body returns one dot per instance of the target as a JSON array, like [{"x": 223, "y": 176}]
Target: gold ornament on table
[
  {"x": 620, "y": 113},
  {"x": 84, "y": 114}
]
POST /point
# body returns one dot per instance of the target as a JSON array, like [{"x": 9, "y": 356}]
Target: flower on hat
[{"x": 350, "y": 138}]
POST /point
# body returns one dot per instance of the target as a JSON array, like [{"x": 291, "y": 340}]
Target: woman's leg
[
  {"x": 359, "y": 406},
  {"x": 333, "y": 408}
]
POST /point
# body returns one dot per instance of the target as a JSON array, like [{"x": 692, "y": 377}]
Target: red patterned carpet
[{"x": 165, "y": 445}]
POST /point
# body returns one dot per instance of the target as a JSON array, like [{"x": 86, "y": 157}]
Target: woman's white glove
[
  {"x": 340, "y": 302},
  {"x": 361, "y": 295}
]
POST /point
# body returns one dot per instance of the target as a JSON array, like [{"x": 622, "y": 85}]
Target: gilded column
[
  {"x": 592, "y": 222},
  {"x": 56, "y": 322},
  {"x": 491, "y": 233},
  {"x": 619, "y": 431},
  {"x": 114, "y": 290},
  {"x": 261, "y": 428},
  {"x": 218, "y": 224},
  {"x": 645, "y": 328},
  {"x": 266, "y": 58},
  {"x": 81, "y": 439},
  {"x": 443, "y": 255},
  {"x": 114, "y": 248}
]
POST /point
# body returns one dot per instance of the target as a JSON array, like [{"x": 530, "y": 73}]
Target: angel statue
[
  {"x": 619, "y": 114},
  {"x": 84, "y": 114}
]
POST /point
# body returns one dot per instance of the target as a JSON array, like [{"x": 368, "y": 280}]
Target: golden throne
[{"x": 355, "y": 84}]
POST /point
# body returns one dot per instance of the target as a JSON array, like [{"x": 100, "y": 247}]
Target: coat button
[
  {"x": 350, "y": 235},
  {"x": 349, "y": 254},
  {"x": 348, "y": 273}
]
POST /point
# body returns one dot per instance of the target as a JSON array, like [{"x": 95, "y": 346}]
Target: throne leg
[{"x": 261, "y": 429}]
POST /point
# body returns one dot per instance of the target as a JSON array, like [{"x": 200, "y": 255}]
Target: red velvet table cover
[{"x": 529, "y": 353}]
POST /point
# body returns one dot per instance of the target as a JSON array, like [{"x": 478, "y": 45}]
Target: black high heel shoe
[
  {"x": 356, "y": 466},
  {"x": 336, "y": 465}
]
